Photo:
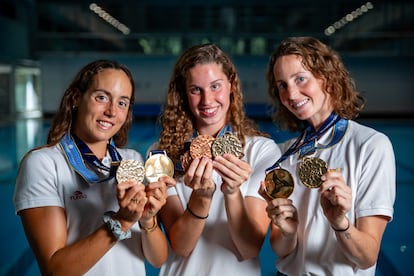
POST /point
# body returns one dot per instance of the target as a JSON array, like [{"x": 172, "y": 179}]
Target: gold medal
[
  {"x": 201, "y": 146},
  {"x": 311, "y": 170},
  {"x": 279, "y": 183},
  {"x": 227, "y": 143},
  {"x": 130, "y": 170},
  {"x": 158, "y": 165}
]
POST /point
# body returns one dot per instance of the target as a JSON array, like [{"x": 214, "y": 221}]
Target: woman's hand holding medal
[
  {"x": 157, "y": 195},
  {"x": 336, "y": 197},
  {"x": 233, "y": 171},
  {"x": 226, "y": 152},
  {"x": 132, "y": 199},
  {"x": 281, "y": 211},
  {"x": 136, "y": 200},
  {"x": 199, "y": 177}
]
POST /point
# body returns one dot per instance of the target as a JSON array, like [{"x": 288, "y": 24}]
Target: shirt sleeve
[
  {"x": 377, "y": 184},
  {"x": 36, "y": 182},
  {"x": 261, "y": 153}
]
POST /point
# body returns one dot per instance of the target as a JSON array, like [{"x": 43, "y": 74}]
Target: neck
[
  {"x": 316, "y": 123},
  {"x": 210, "y": 130},
  {"x": 98, "y": 148}
]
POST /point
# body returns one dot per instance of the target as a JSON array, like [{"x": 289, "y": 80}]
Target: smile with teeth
[
  {"x": 105, "y": 124},
  {"x": 299, "y": 104},
  {"x": 209, "y": 110}
]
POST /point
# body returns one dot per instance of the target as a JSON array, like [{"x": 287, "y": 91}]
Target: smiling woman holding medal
[
  {"x": 342, "y": 173},
  {"x": 80, "y": 197},
  {"x": 214, "y": 217}
]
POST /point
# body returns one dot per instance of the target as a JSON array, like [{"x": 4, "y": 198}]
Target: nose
[
  {"x": 207, "y": 97},
  {"x": 110, "y": 110},
  {"x": 292, "y": 91}
]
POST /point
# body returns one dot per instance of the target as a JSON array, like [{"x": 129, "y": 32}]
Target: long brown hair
[
  {"x": 66, "y": 115},
  {"x": 177, "y": 120},
  {"x": 324, "y": 64}
]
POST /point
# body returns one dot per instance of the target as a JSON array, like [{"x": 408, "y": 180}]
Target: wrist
[
  {"x": 115, "y": 227},
  {"x": 343, "y": 228},
  {"x": 232, "y": 194},
  {"x": 207, "y": 191},
  {"x": 125, "y": 224},
  {"x": 196, "y": 215},
  {"x": 151, "y": 227}
]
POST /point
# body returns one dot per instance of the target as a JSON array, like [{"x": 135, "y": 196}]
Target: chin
[{"x": 300, "y": 116}]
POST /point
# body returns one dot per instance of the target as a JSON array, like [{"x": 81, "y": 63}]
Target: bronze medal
[
  {"x": 279, "y": 183},
  {"x": 201, "y": 146},
  {"x": 158, "y": 165},
  {"x": 130, "y": 170},
  {"x": 311, "y": 170},
  {"x": 185, "y": 160},
  {"x": 228, "y": 143}
]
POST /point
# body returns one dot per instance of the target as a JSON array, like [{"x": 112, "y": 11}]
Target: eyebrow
[
  {"x": 217, "y": 81},
  {"x": 294, "y": 75},
  {"x": 110, "y": 94}
]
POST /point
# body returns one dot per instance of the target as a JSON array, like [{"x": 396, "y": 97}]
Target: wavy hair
[
  {"x": 177, "y": 120},
  {"x": 324, "y": 64},
  {"x": 65, "y": 117}
]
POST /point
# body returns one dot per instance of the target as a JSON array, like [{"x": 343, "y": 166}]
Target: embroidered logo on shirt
[{"x": 78, "y": 195}]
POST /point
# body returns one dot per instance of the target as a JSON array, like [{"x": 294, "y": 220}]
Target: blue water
[{"x": 16, "y": 138}]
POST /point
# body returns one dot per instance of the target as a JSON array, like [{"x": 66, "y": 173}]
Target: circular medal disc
[
  {"x": 279, "y": 183},
  {"x": 228, "y": 143},
  {"x": 130, "y": 170},
  {"x": 311, "y": 170},
  {"x": 158, "y": 165},
  {"x": 201, "y": 146}
]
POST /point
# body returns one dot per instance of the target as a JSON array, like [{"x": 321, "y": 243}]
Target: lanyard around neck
[
  {"x": 78, "y": 154},
  {"x": 305, "y": 143}
]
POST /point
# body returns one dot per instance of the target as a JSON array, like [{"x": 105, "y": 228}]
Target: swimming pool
[{"x": 16, "y": 138}]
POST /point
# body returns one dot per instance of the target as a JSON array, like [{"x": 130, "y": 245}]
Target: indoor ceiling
[{"x": 244, "y": 27}]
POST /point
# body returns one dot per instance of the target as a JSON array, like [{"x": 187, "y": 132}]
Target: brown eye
[
  {"x": 123, "y": 104},
  {"x": 195, "y": 90},
  {"x": 101, "y": 98},
  {"x": 215, "y": 87}
]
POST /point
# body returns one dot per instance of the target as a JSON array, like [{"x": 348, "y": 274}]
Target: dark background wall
[{"x": 386, "y": 82}]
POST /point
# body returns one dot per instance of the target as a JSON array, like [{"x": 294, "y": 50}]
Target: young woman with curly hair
[
  {"x": 214, "y": 217},
  {"x": 343, "y": 172}
]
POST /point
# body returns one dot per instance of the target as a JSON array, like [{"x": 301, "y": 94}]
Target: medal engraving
[
  {"x": 279, "y": 184},
  {"x": 158, "y": 165},
  {"x": 201, "y": 146},
  {"x": 130, "y": 170},
  {"x": 228, "y": 143},
  {"x": 311, "y": 170},
  {"x": 185, "y": 160}
]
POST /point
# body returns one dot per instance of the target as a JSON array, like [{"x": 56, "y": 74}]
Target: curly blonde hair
[
  {"x": 324, "y": 64},
  {"x": 177, "y": 120}
]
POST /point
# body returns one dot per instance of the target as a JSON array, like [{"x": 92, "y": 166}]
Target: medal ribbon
[
  {"x": 156, "y": 151},
  {"x": 309, "y": 137},
  {"x": 77, "y": 153}
]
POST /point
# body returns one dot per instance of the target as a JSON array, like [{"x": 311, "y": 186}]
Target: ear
[{"x": 76, "y": 100}]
